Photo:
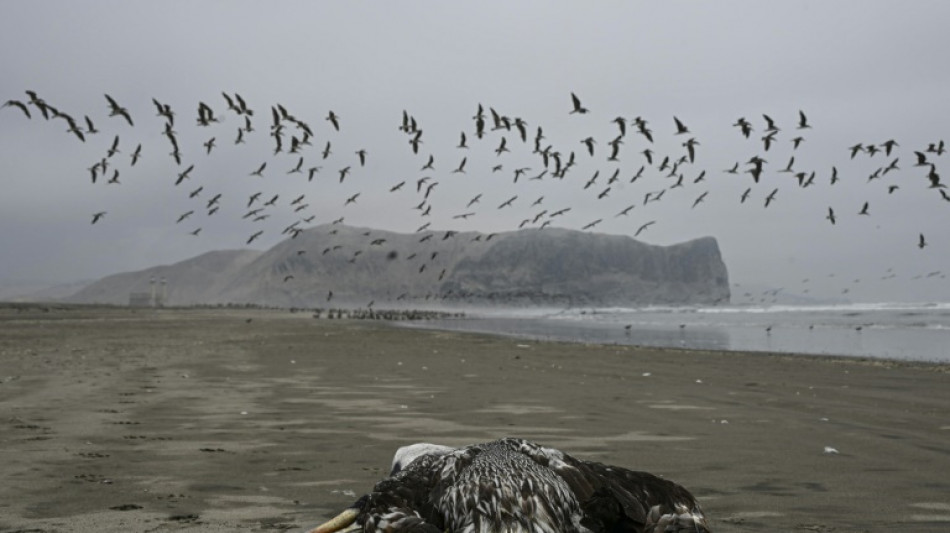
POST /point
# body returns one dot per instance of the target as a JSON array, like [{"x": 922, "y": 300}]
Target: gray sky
[{"x": 862, "y": 71}]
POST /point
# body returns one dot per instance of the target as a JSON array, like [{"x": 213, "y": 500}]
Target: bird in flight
[
  {"x": 680, "y": 127},
  {"x": 643, "y": 228},
  {"x": 97, "y": 216},
  {"x": 254, "y": 236},
  {"x": 802, "y": 121},
  {"x": 700, "y": 199},
  {"x": 137, "y": 154},
  {"x": 335, "y": 120},
  {"x": 578, "y": 108},
  {"x": 745, "y": 195},
  {"x": 116, "y": 109},
  {"x": 182, "y": 176},
  {"x": 19, "y": 105},
  {"x": 592, "y": 224}
]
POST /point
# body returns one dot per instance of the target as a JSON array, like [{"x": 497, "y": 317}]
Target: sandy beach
[{"x": 249, "y": 420}]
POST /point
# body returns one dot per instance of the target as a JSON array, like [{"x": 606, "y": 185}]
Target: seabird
[
  {"x": 116, "y": 109},
  {"x": 516, "y": 486},
  {"x": 334, "y": 119},
  {"x": 680, "y": 127},
  {"x": 578, "y": 108},
  {"x": 18, "y": 104},
  {"x": 644, "y": 227}
]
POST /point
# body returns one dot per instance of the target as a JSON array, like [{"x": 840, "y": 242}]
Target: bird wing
[{"x": 617, "y": 499}]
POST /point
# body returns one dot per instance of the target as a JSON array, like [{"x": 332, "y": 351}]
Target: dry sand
[{"x": 121, "y": 420}]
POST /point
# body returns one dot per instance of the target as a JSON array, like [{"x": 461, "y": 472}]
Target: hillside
[{"x": 361, "y": 265}]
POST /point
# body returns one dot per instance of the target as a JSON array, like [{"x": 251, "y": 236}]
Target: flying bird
[
  {"x": 700, "y": 199},
  {"x": 589, "y": 142},
  {"x": 137, "y": 154},
  {"x": 508, "y": 202},
  {"x": 642, "y": 228},
  {"x": 311, "y": 172},
  {"x": 116, "y": 109},
  {"x": 578, "y": 108},
  {"x": 745, "y": 195},
  {"x": 518, "y": 486},
  {"x": 690, "y": 147},
  {"x": 90, "y": 127},
  {"x": 182, "y": 176},
  {"x": 19, "y": 105},
  {"x": 254, "y": 236},
  {"x": 97, "y": 216},
  {"x": 680, "y": 127},
  {"x": 802, "y": 121},
  {"x": 335, "y": 120}
]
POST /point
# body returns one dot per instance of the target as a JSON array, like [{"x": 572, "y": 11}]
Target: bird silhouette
[
  {"x": 334, "y": 119},
  {"x": 115, "y": 109},
  {"x": 578, "y": 108},
  {"x": 19, "y": 105},
  {"x": 681, "y": 128},
  {"x": 643, "y": 228}
]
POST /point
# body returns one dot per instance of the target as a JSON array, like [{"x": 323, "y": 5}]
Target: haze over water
[{"x": 904, "y": 331}]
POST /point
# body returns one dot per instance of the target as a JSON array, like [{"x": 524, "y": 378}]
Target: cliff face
[
  {"x": 359, "y": 265},
  {"x": 588, "y": 269}
]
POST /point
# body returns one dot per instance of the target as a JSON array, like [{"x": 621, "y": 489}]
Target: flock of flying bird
[{"x": 295, "y": 140}]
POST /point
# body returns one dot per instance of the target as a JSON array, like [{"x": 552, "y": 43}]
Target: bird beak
[{"x": 344, "y": 522}]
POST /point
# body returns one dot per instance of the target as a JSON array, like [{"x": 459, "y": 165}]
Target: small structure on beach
[{"x": 152, "y": 298}]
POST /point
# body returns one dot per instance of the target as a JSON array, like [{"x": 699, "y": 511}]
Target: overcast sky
[{"x": 862, "y": 72}]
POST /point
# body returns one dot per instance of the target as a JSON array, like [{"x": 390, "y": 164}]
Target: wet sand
[{"x": 122, "y": 420}]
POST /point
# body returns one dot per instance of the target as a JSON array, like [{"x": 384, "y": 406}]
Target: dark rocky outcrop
[{"x": 552, "y": 267}]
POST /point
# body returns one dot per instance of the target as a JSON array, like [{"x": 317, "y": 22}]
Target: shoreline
[
  {"x": 234, "y": 420},
  {"x": 612, "y": 337}
]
